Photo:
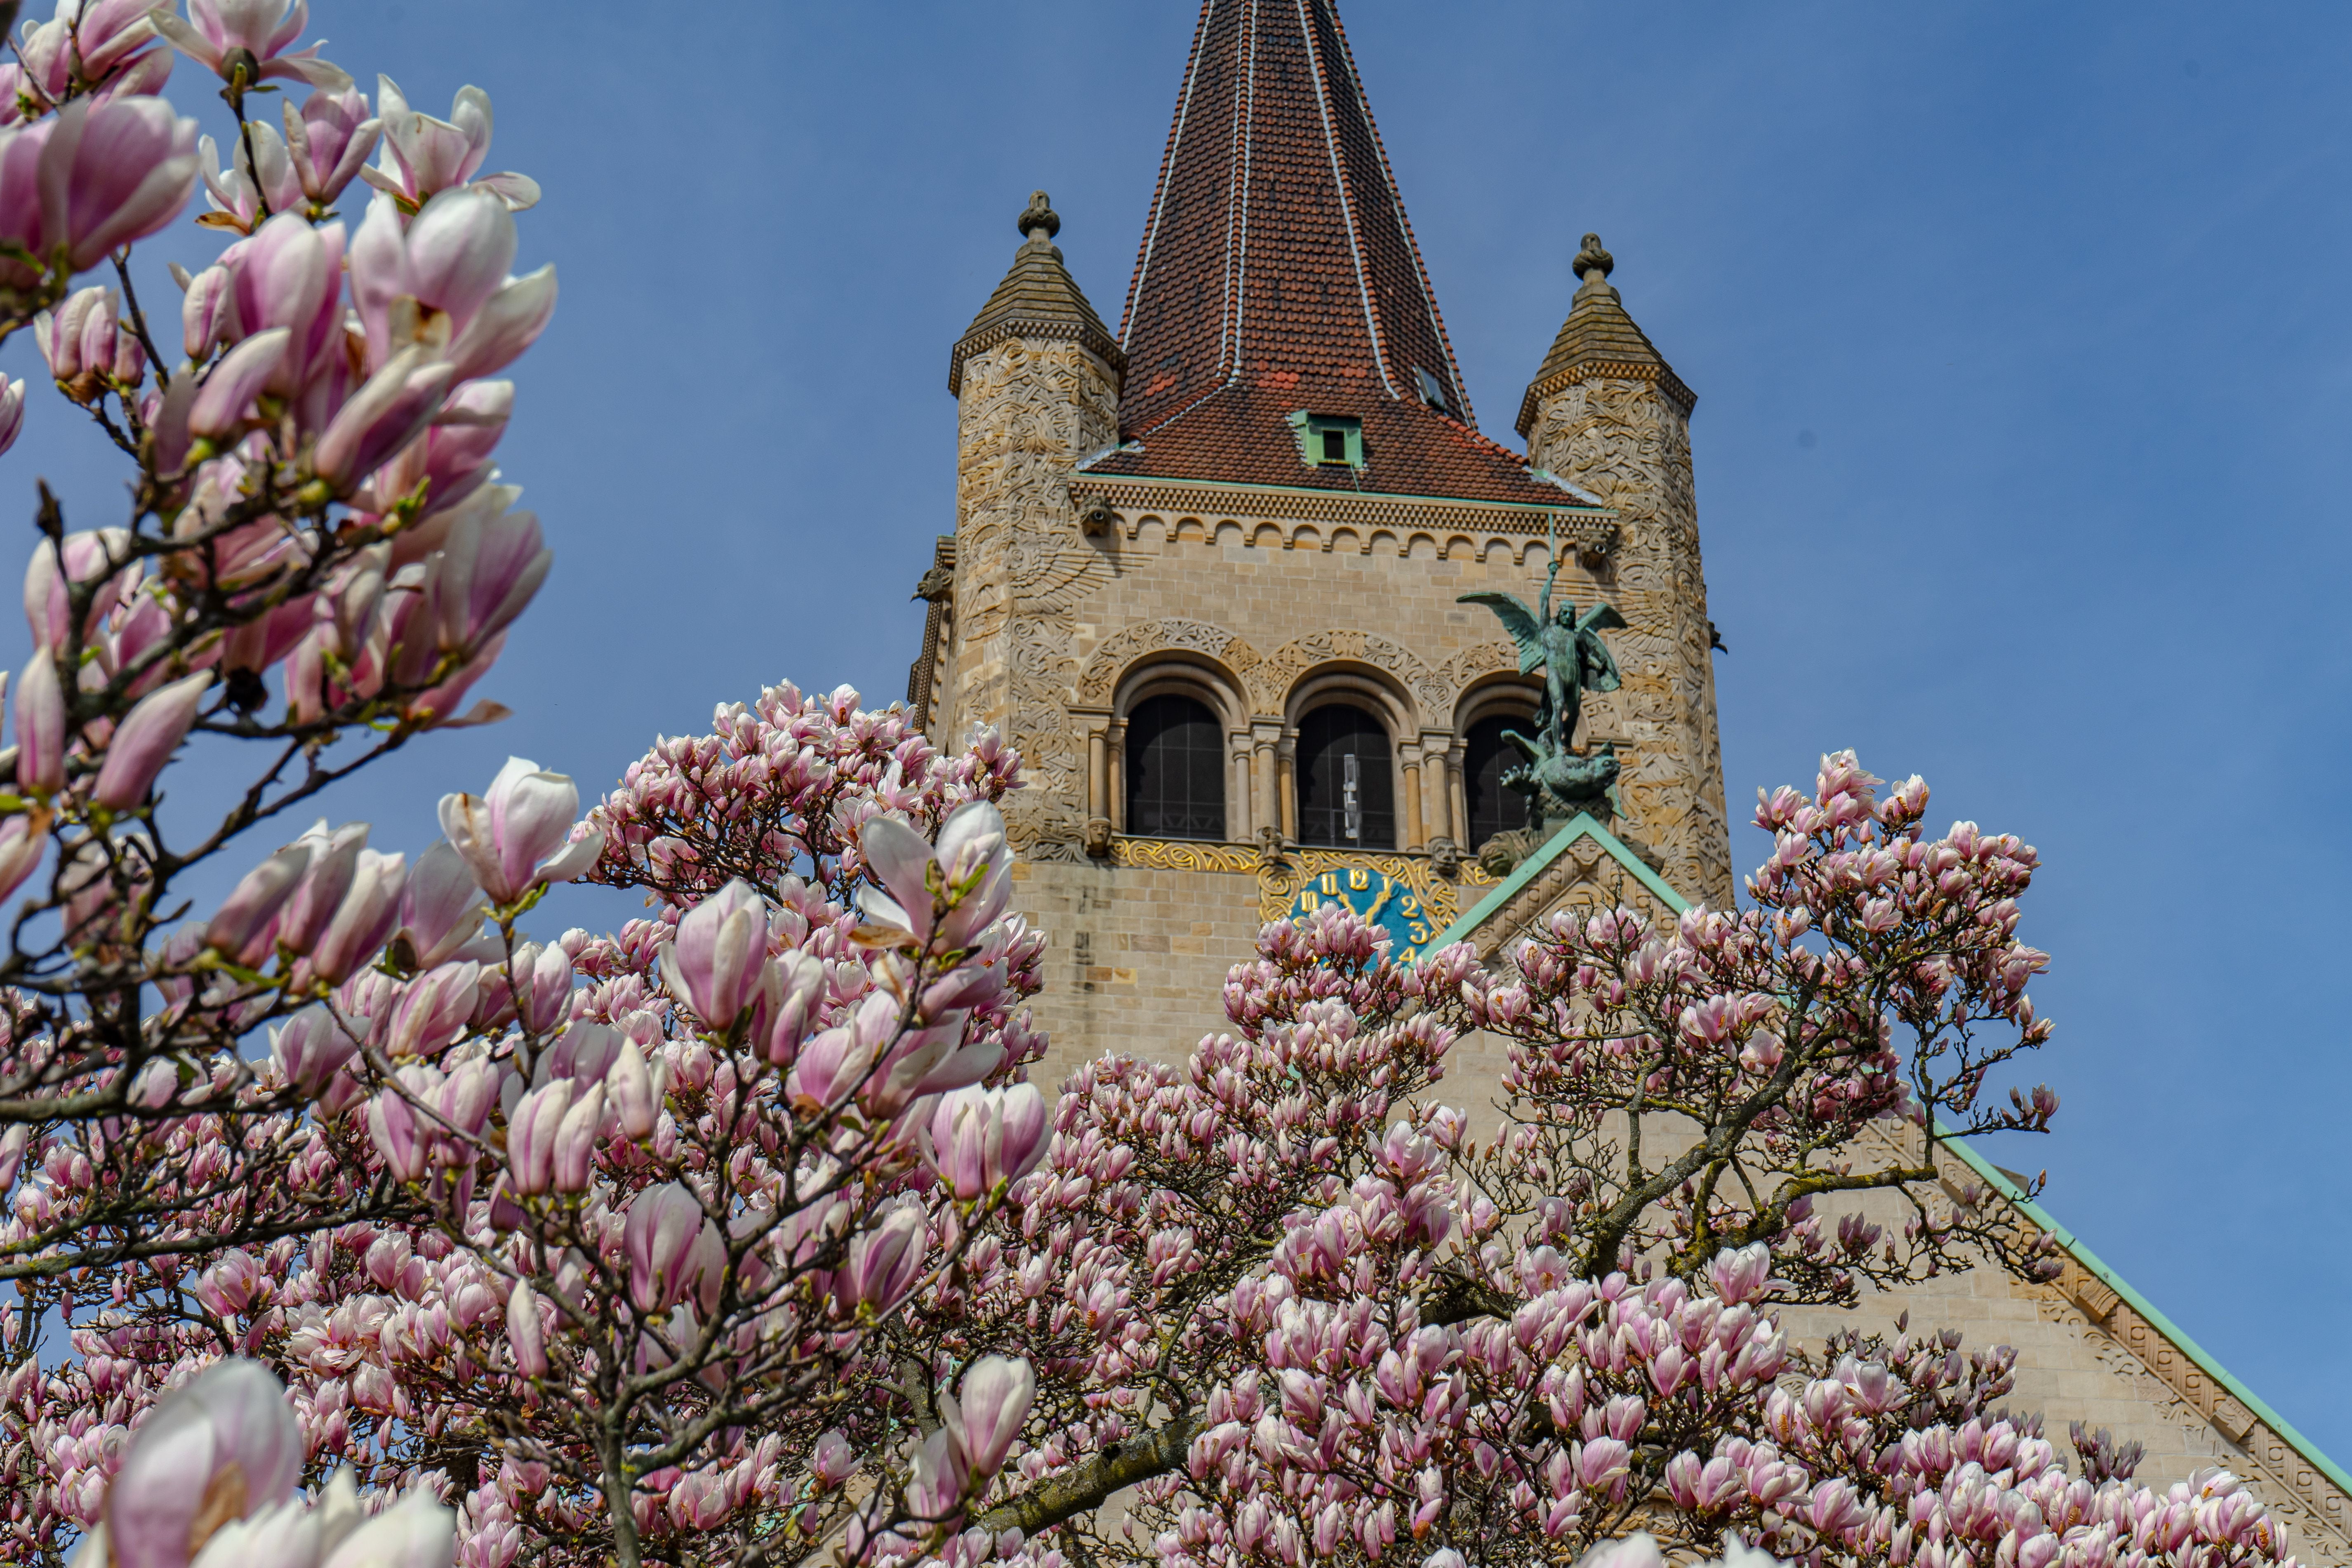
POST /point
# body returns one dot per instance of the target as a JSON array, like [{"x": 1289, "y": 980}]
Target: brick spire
[{"x": 1278, "y": 275}]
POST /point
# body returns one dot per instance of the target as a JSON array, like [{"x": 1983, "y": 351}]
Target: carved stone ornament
[
  {"x": 1098, "y": 837},
  {"x": 1446, "y": 857},
  {"x": 1128, "y": 643}
]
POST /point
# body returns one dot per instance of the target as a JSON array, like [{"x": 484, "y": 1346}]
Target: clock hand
[{"x": 1372, "y": 915}]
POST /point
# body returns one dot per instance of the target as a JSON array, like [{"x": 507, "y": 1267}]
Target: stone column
[
  {"x": 1098, "y": 771},
  {"x": 1413, "y": 836},
  {"x": 1458, "y": 800},
  {"x": 1238, "y": 826},
  {"x": 1264, "y": 767},
  {"x": 1286, "y": 764},
  {"x": 1436, "y": 817},
  {"x": 1115, "y": 743}
]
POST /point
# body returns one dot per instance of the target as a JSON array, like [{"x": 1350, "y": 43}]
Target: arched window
[
  {"x": 1175, "y": 770},
  {"x": 1345, "y": 800},
  {"x": 1493, "y": 808}
]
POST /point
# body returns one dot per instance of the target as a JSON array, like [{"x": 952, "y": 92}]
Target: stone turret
[
  {"x": 1036, "y": 380},
  {"x": 1608, "y": 414}
]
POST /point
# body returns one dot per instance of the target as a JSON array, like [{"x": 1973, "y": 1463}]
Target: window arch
[
  {"x": 1346, "y": 793},
  {"x": 1493, "y": 809},
  {"x": 1175, "y": 769}
]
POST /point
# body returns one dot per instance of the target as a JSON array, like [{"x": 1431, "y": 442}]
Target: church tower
[{"x": 1207, "y": 575}]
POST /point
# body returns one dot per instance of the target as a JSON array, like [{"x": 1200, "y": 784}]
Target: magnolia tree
[
  {"x": 348, "y": 1224},
  {"x": 473, "y": 1231}
]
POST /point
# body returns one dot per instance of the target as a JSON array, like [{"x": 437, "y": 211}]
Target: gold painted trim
[{"x": 1183, "y": 855}]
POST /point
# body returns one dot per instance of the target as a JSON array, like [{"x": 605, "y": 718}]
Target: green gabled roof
[
  {"x": 1581, "y": 825},
  {"x": 2092, "y": 1264},
  {"x": 1585, "y": 827}
]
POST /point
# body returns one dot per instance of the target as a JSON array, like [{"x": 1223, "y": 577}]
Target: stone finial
[
  {"x": 1039, "y": 221},
  {"x": 1593, "y": 260}
]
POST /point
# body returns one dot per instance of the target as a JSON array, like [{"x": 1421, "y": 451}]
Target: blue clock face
[{"x": 1374, "y": 895}]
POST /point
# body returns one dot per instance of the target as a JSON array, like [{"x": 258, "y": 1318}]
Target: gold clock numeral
[
  {"x": 1332, "y": 883},
  {"x": 1308, "y": 901},
  {"x": 1359, "y": 878},
  {"x": 1408, "y": 906},
  {"x": 1419, "y": 932}
]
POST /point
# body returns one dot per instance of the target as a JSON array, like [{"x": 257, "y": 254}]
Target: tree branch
[{"x": 1090, "y": 1485}]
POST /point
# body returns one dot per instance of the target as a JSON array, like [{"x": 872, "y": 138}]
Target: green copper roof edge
[
  {"x": 1361, "y": 495},
  {"x": 2196, "y": 1353},
  {"x": 1581, "y": 825}
]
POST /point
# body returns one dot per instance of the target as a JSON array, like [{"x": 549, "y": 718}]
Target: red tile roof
[
  {"x": 1278, "y": 274},
  {"x": 1242, "y": 435}
]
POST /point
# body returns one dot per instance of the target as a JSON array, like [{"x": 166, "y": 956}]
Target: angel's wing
[
  {"x": 1601, "y": 617},
  {"x": 1517, "y": 620},
  {"x": 1598, "y": 665}
]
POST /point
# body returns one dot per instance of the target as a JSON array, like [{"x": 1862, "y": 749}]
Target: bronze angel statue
[{"x": 1567, "y": 645}]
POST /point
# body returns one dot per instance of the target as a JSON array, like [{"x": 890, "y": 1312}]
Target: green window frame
[{"x": 1328, "y": 440}]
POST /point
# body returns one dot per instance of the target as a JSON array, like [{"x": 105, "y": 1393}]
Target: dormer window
[
  {"x": 1432, "y": 391},
  {"x": 1330, "y": 440}
]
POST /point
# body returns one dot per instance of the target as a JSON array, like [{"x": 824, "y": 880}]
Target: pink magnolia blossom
[
  {"x": 440, "y": 282},
  {"x": 329, "y": 138},
  {"x": 485, "y": 574},
  {"x": 260, "y": 180},
  {"x": 225, "y": 34},
  {"x": 228, "y": 1435},
  {"x": 290, "y": 274},
  {"x": 110, "y": 174},
  {"x": 243, "y": 928},
  {"x": 885, "y": 1261},
  {"x": 12, "y": 411},
  {"x": 516, "y": 836},
  {"x": 441, "y": 906},
  {"x": 226, "y": 399},
  {"x": 661, "y": 1236},
  {"x": 433, "y": 1011},
  {"x": 532, "y": 1130},
  {"x": 526, "y": 1336},
  {"x": 87, "y": 555},
  {"x": 637, "y": 1090},
  {"x": 40, "y": 727},
  {"x": 310, "y": 1049},
  {"x": 145, "y": 740},
  {"x": 92, "y": 43},
  {"x": 388, "y": 412},
  {"x": 363, "y": 922},
  {"x": 951, "y": 893},
  {"x": 24, "y": 841},
  {"x": 424, "y": 156},
  {"x": 979, "y": 1137},
  {"x": 988, "y": 1415},
  {"x": 715, "y": 964},
  {"x": 208, "y": 313}
]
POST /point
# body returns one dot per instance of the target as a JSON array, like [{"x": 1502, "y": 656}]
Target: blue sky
[{"x": 2020, "y": 341}]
